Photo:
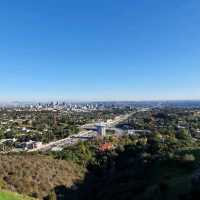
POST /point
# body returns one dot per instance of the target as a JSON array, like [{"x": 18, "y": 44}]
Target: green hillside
[
  {"x": 139, "y": 169},
  {"x": 6, "y": 195}
]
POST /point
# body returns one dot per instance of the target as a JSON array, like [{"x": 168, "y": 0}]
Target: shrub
[{"x": 188, "y": 158}]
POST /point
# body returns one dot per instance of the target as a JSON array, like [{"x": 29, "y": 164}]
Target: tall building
[{"x": 101, "y": 129}]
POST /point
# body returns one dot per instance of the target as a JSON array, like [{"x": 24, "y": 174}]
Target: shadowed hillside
[{"x": 146, "y": 170}]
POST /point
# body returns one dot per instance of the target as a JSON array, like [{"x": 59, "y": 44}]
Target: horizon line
[{"x": 81, "y": 101}]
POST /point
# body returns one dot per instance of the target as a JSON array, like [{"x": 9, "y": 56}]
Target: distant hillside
[{"x": 36, "y": 175}]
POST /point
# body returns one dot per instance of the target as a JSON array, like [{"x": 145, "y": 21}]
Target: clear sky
[{"x": 99, "y": 49}]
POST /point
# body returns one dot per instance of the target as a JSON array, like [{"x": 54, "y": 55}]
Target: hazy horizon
[{"x": 97, "y": 100}]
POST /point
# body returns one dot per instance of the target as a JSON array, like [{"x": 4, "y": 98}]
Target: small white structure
[
  {"x": 101, "y": 129},
  {"x": 7, "y": 130},
  {"x": 24, "y": 129},
  {"x": 131, "y": 132}
]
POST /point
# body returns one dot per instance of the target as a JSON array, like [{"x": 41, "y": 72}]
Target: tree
[{"x": 183, "y": 134}]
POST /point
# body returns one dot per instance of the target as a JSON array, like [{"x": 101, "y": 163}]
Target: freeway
[
  {"x": 119, "y": 119},
  {"x": 110, "y": 123},
  {"x": 82, "y": 136},
  {"x": 71, "y": 140}
]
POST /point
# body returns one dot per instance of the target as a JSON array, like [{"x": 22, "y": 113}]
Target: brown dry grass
[{"x": 36, "y": 175}]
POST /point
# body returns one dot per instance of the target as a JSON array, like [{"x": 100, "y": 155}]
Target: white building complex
[{"x": 101, "y": 129}]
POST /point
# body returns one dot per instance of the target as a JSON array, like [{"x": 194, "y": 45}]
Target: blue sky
[{"x": 99, "y": 49}]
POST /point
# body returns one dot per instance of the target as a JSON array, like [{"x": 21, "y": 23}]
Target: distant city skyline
[{"x": 109, "y": 50}]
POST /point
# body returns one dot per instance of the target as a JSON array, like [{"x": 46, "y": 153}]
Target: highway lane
[
  {"x": 74, "y": 139},
  {"x": 71, "y": 140}
]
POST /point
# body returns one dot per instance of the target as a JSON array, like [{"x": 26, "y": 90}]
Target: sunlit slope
[{"x": 6, "y": 195}]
